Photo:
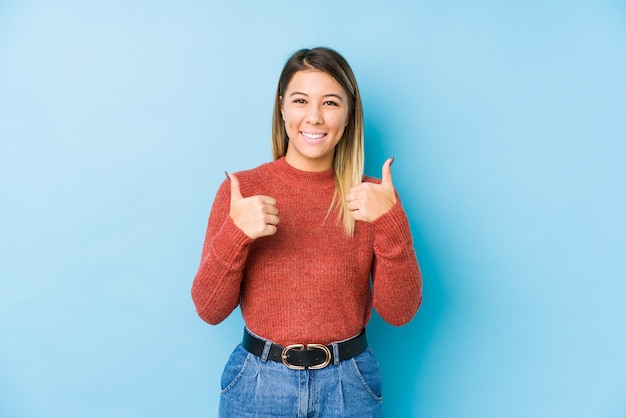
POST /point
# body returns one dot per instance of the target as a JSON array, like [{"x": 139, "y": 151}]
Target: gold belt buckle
[{"x": 322, "y": 347}]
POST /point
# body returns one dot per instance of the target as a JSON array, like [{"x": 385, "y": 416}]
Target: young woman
[{"x": 294, "y": 242}]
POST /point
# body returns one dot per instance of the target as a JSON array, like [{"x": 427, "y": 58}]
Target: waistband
[{"x": 305, "y": 356}]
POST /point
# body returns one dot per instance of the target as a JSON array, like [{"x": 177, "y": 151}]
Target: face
[{"x": 315, "y": 110}]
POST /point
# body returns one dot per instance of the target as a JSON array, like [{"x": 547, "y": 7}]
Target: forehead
[{"x": 314, "y": 82}]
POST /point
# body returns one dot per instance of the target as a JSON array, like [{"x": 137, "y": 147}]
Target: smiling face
[{"x": 315, "y": 110}]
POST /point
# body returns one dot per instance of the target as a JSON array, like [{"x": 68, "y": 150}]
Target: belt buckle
[{"x": 322, "y": 347}]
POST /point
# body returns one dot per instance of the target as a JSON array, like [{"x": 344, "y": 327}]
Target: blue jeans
[{"x": 252, "y": 387}]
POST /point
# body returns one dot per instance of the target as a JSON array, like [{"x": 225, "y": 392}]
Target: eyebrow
[{"x": 326, "y": 95}]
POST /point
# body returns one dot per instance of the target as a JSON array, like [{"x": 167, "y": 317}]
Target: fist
[
  {"x": 369, "y": 201},
  {"x": 256, "y": 216}
]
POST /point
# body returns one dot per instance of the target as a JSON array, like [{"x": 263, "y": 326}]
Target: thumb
[
  {"x": 235, "y": 193},
  {"x": 387, "y": 172}
]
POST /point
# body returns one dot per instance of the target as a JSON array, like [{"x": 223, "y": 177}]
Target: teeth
[{"x": 313, "y": 136}]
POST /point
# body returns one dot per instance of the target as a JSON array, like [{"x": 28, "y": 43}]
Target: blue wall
[{"x": 508, "y": 125}]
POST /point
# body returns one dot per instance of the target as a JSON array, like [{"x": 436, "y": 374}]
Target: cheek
[
  {"x": 290, "y": 117},
  {"x": 291, "y": 124},
  {"x": 340, "y": 133},
  {"x": 341, "y": 122}
]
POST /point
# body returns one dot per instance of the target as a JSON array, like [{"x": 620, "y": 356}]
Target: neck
[{"x": 310, "y": 165}]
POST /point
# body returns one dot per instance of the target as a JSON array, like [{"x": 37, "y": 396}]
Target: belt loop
[
  {"x": 266, "y": 350},
  {"x": 335, "y": 353}
]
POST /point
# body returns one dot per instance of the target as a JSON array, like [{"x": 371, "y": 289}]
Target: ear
[{"x": 280, "y": 103}]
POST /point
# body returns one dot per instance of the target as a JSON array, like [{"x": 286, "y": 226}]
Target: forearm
[
  {"x": 397, "y": 280},
  {"x": 216, "y": 286}
]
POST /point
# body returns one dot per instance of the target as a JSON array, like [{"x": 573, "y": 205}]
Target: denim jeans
[{"x": 252, "y": 387}]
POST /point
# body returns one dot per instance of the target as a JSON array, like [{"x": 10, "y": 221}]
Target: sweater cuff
[
  {"x": 231, "y": 243},
  {"x": 392, "y": 229}
]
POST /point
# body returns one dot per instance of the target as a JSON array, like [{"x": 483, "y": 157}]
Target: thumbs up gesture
[
  {"x": 368, "y": 201},
  {"x": 256, "y": 215}
]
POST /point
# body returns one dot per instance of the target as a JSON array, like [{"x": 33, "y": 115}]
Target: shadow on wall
[{"x": 403, "y": 351}]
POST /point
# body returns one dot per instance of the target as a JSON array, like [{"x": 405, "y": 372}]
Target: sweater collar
[{"x": 295, "y": 177}]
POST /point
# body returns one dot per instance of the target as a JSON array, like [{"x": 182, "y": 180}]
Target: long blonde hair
[{"x": 349, "y": 153}]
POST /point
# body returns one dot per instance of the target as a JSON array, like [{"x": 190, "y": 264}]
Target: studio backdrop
[{"x": 507, "y": 123}]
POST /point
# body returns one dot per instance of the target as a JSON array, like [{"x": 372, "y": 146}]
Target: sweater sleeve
[
  {"x": 216, "y": 286},
  {"x": 396, "y": 277}
]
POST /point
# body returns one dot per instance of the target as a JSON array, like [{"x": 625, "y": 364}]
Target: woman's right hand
[{"x": 256, "y": 215}]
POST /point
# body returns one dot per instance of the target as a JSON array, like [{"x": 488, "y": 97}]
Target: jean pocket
[
  {"x": 368, "y": 372},
  {"x": 235, "y": 368}
]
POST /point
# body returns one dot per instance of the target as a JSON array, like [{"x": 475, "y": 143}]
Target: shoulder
[
  {"x": 256, "y": 173},
  {"x": 255, "y": 180}
]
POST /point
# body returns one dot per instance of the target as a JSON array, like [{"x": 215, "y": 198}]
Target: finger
[
  {"x": 271, "y": 210},
  {"x": 271, "y": 220},
  {"x": 357, "y": 193},
  {"x": 361, "y": 189},
  {"x": 235, "y": 192},
  {"x": 357, "y": 215},
  {"x": 269, "y": 230},
  {"x": 387, "y": 171},
  {"x": 267, "y": 200},
  {"x": 353, "y": 205}
]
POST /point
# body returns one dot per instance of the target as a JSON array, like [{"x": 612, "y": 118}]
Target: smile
[{"x": 313, "y": 138}]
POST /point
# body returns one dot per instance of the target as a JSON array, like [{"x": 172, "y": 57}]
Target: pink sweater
[{"x": 309, "y": 282}]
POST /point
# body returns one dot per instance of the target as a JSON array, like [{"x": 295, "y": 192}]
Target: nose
[{"x": 314, "y": 115}]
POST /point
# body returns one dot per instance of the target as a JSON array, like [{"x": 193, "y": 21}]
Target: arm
[
  {"x": 216, "y": 287},
  {"x": 396, "y": 277}
]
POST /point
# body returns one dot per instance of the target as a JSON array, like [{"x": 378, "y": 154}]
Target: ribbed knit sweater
[{"x": 309, "y": 282}]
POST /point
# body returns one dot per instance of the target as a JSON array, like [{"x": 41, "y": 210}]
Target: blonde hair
[{"x": 349, "y": 156}]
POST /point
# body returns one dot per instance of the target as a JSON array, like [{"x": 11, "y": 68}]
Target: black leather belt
[{"x": 301, "y": 356}]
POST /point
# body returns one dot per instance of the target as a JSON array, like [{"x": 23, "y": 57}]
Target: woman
[{"x": 294, "y": 243}]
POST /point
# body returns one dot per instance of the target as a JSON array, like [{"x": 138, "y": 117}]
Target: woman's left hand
[{"x": 369, "y": 201}]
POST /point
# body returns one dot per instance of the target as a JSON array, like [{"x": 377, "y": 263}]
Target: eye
[
  {"x": 331, "y": 103},
  {"x": 299, "y": 101}
]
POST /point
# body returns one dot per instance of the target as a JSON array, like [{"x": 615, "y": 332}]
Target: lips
[{"x": 313, "y": 137}]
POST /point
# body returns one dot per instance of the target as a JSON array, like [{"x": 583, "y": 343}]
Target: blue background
[{"x": 507, "y": 121}]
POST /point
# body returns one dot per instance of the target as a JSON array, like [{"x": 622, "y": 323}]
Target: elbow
[
  {"x": 210, "y": 318},
  {"x": 209, "y": 311},
  {"x": 205, "y": 311},
  {"x": 399, "y": 318}
]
